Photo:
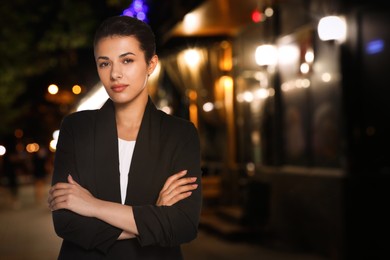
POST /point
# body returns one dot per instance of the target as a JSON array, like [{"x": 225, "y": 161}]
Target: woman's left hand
[
  {"x": 176, "y": 188},
  {"x": 71, "y": 196}
]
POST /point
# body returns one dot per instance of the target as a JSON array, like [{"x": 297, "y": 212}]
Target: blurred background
[{"x": 290, "y": 98}]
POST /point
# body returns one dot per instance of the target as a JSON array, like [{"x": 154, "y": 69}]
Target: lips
[{"x": 118, "y": 88}]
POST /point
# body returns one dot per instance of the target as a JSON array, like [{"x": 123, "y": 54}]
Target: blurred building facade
[{"x": 293, "y": 125}]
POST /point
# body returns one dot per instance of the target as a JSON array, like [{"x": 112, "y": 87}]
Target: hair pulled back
[{"x": 123, "y": 26}]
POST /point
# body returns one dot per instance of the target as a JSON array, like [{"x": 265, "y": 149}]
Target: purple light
[
  {"x": 137, "y": 9},
  {"x": 141, "y": 16},
  {"x": 375, "y": 46},
  {"x": 127, "y": 12},
  {"x": 138, "y": 6}
]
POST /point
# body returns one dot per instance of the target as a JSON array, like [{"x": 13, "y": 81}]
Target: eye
[
  {"x": 128, "y": 60},
  {"x": 103, "y": 64}
]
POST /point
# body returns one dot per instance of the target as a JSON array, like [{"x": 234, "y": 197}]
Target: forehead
[{"x": 117, "y": 45}]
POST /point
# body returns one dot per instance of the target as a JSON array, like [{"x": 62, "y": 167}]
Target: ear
[{"x": 152, "y": 64}]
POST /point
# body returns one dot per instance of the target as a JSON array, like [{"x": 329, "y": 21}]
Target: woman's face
[{"x": 122, "y": 68}]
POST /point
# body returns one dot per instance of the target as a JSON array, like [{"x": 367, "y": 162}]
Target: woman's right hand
[{"x": 176, "y": 188}]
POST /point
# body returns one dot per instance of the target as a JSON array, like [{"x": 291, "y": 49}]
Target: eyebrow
[{"x": 120, "y": 56}]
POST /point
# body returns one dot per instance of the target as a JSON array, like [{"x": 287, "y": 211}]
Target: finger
[
  {"x": 178, "y": 198},
  {"x": 184, "y": 181},
  {"x": 56, "y": 190},
  {"x": 181, "y": 182},
  {"x": 180, "y": 190},
  {"x": 185, "y": 188},
  {"x": 58, "y": 193},
  {"x": 72, "y": 181},
  {"x": 59, "y": 202},
  {"x": 173, "y": 178},
  {"x": 59, "y": 205},
  {"x": 58, "y": 186},
  {"x": 169, "y": 195}
]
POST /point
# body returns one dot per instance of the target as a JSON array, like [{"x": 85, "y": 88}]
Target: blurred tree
[
  {"x": 39, "y": 36},
  {"x": 48, "y": 39}
]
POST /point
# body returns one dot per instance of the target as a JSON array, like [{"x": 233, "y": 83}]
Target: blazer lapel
[
  {"x": 106, "y": 154},
  {"x": 143, "y": 163}
]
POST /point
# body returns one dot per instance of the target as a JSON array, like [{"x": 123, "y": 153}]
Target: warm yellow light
[
  {"x": 261, "y": 93},
  {"x": 76, "y": 89},
  {"x": 55, "y": 134},
  {"x": 193, "y": 107},
  {"x": 53, "y": 145},
  {"x": 269, "y": 12},
  {"x": 191, "y": 22},
  {"x": 226, "y": 82},
  {"x": 326, "y": 77},
  {"x": 53, "y": 89},
  {"x": 32, "y": 148},
  {"x": 288, "y": 54},
  {"x": 309, "y": 56},
  {"x": 248, "y": 96},
  {"x": 266, "y": 55},
  {"x": 192, "y": 95},
  {"x": 271, "y": 92},
  {"x": 305, "y": 68},
  {"x": 208, "y": 106},
  {"x": 226, "y": 62},
  {"x": 192, "y": 57}
]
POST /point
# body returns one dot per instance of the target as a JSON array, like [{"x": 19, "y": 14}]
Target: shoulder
[
  {"x": 174, "y": 122},
  {"x": 79, "y": 118},
  {"x": 177, "y": 127}
]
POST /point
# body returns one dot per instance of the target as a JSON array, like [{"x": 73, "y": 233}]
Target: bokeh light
[
  {"x": 53, "y": 89},
  {"x": 76, "y": 89},
  {"x": 2, "y": 150}
]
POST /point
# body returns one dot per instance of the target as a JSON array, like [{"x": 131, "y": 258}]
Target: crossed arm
[{"x": 73, "y": 197}]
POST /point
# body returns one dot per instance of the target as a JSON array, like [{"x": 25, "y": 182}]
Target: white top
[{"x": 126, "y": 149}]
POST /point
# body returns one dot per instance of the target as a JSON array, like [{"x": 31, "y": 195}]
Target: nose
[{"x": 116, "y": 72}]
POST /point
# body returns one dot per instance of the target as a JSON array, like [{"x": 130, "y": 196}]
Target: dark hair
[{"x": 128, "y": 26}]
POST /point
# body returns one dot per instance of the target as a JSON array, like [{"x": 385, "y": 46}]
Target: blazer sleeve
[
  {"x": 88, "y": 233},
  {"x": 176, "y": 224}
]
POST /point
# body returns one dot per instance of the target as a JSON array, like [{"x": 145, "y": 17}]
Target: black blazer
[{"x": 88, "y": 150}]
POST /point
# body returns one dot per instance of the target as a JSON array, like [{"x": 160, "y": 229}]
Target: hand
[
  {"x": 176, "y": 188},
  {"x": 71, "y": 196},
  {"x": 126, "y": 235}
]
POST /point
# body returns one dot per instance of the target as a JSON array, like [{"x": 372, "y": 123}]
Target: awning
[{"x": 215, "y": 17}]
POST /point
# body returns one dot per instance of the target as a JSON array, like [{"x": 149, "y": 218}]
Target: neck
[{"x": 129, "y": 117}]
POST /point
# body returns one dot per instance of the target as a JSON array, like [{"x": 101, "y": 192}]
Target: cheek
[
  {"x": 103, "y": 75},
  {"x": 139, "y": 72}
]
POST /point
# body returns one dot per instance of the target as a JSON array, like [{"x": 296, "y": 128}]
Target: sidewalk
[{"x": 26, "y": 230}]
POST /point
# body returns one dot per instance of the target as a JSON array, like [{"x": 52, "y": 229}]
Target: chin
[{"x": 123, "y": 100}]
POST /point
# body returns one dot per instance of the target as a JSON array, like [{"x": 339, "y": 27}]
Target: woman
[{"x": 126, "y": 182}]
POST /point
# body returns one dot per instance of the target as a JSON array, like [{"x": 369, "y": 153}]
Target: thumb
[{"x": 71, "y": 180}]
